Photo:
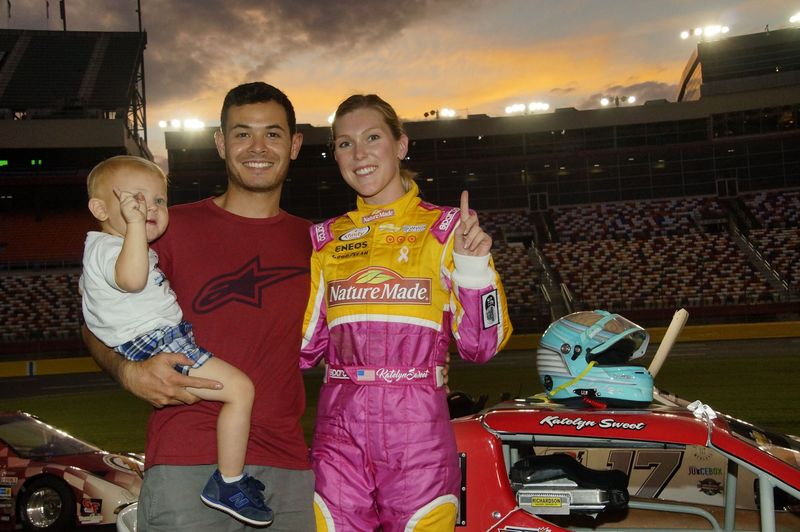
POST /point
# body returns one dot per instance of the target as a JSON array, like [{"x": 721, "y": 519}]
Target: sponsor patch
[
  {"x": 491, "y": 315},
  {"x": 91, "y": 507},
  {"x": 705, "y": 471},
  {"x": 352, "y": 246},
  {"x": 448, "y": 220},
  {"x": 377, "y": 215},
  {"x": 319, "y": 232},
  {"x": 354, "y": 234},
  {"x": 8, "y": 481},
  {"x": 365, "y": 375},
  {"x": 391, "y": 239},
  {"x": 378, "y": 285},
  {"x": 5, "y": 493},
  {"x": 512, "y": 528},
  {"x": 709, "y": 486},
  {"x": 338, "y": 374}
]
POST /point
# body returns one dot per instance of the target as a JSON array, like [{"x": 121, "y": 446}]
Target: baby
[{"x": 129, "y": 305}]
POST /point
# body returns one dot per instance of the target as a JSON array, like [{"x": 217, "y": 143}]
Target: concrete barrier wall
[
  {"x": 691, "y": 333},
  {"x": 694, "y": 333}
]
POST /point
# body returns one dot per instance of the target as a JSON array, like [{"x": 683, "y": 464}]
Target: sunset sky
[{"x": 471, "y": 56}]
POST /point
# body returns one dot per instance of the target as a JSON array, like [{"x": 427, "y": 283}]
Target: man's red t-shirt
[{"x": 243, "y": 283}]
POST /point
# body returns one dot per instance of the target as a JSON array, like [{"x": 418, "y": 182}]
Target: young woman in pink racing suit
[{"x": 391, "y": 283}]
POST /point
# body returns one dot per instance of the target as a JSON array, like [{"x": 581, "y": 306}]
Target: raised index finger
[{"x": 464, "y": 203}]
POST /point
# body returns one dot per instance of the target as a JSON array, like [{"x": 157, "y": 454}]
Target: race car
[
  {"x": 532, "y": 465},
  {"x": 51, "y": 481},
  {"x": 602, "y": 448}
]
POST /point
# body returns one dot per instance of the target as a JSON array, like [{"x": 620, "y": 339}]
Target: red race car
[
  {"x": 530, "y": 465},
  {"x": 604, "y": 449},
  {"x": 51, "y": 481}
]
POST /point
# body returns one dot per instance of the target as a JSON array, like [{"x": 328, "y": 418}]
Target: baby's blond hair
[{"x": 118, "y": 163}]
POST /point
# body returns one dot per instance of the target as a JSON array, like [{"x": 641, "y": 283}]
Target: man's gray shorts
[{"x": 170, "y": 500}]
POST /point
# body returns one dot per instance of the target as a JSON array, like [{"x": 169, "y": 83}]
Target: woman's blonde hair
[{"x": 373, "y": 101}]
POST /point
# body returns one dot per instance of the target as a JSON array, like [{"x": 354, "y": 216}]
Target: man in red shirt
[{"x": 239, "y": 266}]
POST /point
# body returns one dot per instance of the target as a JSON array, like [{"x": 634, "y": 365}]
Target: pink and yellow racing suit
[{"x": 387, "y": 296}]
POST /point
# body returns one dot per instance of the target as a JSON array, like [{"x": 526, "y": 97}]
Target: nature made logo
[{"x": 381, "y": 286}]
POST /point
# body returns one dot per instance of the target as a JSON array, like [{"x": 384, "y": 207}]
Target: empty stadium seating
[
  {"x": 56, "y": 237},
  {"x": 40, "y": 306}
]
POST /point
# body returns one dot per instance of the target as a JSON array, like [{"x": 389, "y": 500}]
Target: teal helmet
[{"x": 584, "y": 356}]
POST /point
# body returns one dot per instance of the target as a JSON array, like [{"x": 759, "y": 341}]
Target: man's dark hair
[{"x": 257, "y": 92}]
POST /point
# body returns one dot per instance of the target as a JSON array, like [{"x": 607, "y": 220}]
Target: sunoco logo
[
  {"x": 380, "y": 286},
  {"x": 354, "y": 234}
]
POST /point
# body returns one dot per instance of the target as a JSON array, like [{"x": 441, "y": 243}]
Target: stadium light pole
[
  {"x": 530, "y": 108},
  {"x": 706, "y": 33},
  {"x": 605, "y": 101}
]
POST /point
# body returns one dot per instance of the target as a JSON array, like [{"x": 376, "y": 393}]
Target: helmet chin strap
[{"x": 581, "y": 375}]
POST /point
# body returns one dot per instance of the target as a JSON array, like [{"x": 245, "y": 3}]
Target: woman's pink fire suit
[{"x": 386, "y": 298}]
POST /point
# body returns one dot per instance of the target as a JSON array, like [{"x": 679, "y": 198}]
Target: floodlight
[
  {"x": 684, "y": 34},
  {"x": 631, "y": 99},
  {"x": 193, "y": 123},
  {"x": 175, "y": 123},
  {"x": 331, "y": 117},
  {"x": 162, "y": 124},
  {"x": 795, "y": 18},
  {"x": 604, "y": 101},
  {"x": 447, "y": 112}
]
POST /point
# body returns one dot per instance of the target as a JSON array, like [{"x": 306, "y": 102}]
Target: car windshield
[
  {"x": 30, "y": 438},
  {"x": 782, "y": 447}
]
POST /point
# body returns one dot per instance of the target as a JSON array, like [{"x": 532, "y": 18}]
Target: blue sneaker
[{"x": 243, "y": 499}]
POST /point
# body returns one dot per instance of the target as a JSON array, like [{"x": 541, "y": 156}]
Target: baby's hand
[{"x": 132, "y": 206}]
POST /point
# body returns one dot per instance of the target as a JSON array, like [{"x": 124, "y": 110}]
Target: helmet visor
[{"x": 619, "y": 338}]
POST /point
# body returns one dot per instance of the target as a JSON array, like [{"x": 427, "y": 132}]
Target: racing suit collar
[{"x": 364, "y": 211}]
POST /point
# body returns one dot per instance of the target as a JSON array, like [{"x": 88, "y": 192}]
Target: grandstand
[
  {"x": 639, "y": 209},
  {"x": 67, "y": 101}
]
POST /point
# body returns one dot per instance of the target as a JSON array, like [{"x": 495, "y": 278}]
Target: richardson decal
[
  {"x": 354, "y": 234},
  {"x": 445, "y": 225},
  {"x": 379, "y": 286},
  {"x": 8, "y": 481},
  {"x": 579, "y": 423},
  {"x": 377, "y": 215}
]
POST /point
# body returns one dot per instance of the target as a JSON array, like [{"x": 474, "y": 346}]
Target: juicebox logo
[{"x": 380, "y": 286}]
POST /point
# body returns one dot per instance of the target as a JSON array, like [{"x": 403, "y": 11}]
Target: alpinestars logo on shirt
[
  {"x": 379, "y": 285},
  {"x": 245, "y": 285}
]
